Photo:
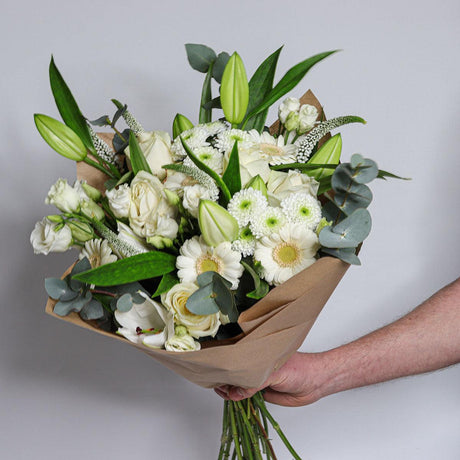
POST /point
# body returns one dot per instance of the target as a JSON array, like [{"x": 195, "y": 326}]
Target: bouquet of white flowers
[{"x": 224, "y": 241}]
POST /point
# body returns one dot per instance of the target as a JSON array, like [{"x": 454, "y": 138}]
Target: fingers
[{"x": 235, "y": 393}]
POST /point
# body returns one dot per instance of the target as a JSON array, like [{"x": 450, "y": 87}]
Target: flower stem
[
  {"x": 96, "y": 165},
  {"x": 263, "y": 430},
  {"x": 261, "y": 404},
  {"x": 255, "y": 444},
  {"x": 235, "y": 433}
]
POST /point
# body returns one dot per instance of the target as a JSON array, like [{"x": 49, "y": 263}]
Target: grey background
[{"x": 66, "y": 393}]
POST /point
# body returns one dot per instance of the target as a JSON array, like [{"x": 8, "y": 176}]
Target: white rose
[
  {"x": 280, "y": 185},
  {"x": 197, "y": 325},
  {"x": 149, "y": 211},
  {"x": 64, "y": 197},
  {"x": 252, "y": 163},
  {"x": 156, "y": 147},
  {"x": 182, "y": 343},
  {"x": 46, "y": 239},
  {"x": 307, "y": 117},
  {"x": 119, "y": 199},
  {"x": 192, "y": 196},
  {"x": 290, "y": 104}
]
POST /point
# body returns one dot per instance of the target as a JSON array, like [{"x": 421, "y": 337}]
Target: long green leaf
[
  {"x": 303, "y": 166},
  {"x": 384, "y": 174},
  {"x": 138, "y": 161},
  {"x": 135, "y": 268},
  {"x": 260, "y": 85},
  {"x": 231, "y": 176},
  {"x": 167, "y": 282},
  {"x": 60, "y": 137},
  {"x": 205, "y": 115},
  {"x": 291, "y": 78},
  {"x": 205, "y": 168},
  {"x": 68, "y": 107}
]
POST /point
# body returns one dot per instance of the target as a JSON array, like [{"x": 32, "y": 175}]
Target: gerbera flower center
[
  {"x": 287, "y": 254},
  {"x": 208, "y": 263},
  {"x": 95, "y": 260}
]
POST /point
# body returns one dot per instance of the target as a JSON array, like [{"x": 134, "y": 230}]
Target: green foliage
[
  {"x": 60, "y": 137},
  {"x": 234, "y": 90},
  {"x": 135, "y": 268},
  {"x": 260, "y": 86},
  {"x": 328, "y": 154},
  {"x": 200, "y": 57},
  {"x": 219, "y": 66},
  {"x": 261, "y": 288},
  {"x": 231, "y": 176},
  {"x": 68, "y": 107},
  {"x": 205, "y": 115},
  {"x": 213, "y": 295},
  {"x": 292, "y": 77},
  {"x": 138, "y": 161},
  {"x": 168, "y": 280},
  {"x": 347, "y": 209},
  {"x": 180, "y": 124}
]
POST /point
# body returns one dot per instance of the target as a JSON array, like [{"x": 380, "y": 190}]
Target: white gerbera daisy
[
  {"x": 226, "y": 139},
  {"x": 245, "y": 204},
  {"x": 194, "y": 138},
  {"x": 286, "y": 253},
  {"x": 245, "y": 243},
  {"x": 272, "y": 149},
  {"x": 98, "y": 253},
  {"x": 209, "y": 156},
  {"x": 302, "y": 207},
  {"x": 268, "y": 221},
  {"x": 196, "y": 257}
]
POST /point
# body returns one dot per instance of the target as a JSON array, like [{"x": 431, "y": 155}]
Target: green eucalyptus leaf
[
  {"x": 125, "y": 303},
  {"x": 63, "y": 308},
  {"x": 135, "y": 268},
  {"x": 213, "y": 104},
  {"x": 92, "y": 310},
  {"x": 348, "y": 255},
  {"x": 224, "y": 298},
  {"x": 120, "y": 143},
  {"x": 348, "y": 233},
  {"x": 350, "y": 202},
  {"x": 329, "y": 154},
  {"x": 200, "y": 57},
  {"x": 261, "y": 288},
  {"x": 202, "y": 302},
  {"x": 59, "y": 289},
  {"x": 292, "y": 77},
  {"x": 260, "y": 86},
  {"x": 366, "y": 170},
  {"x": 138, "y": 161},
  {"x": 101, "y": 121},
  {"x": 331, "y": 212},
  {"x": 180, "y": 124},
  {"x": 68, "y": 107},
  {"x": 234, "y": 90},
  {"x": 60, "y": 137},
  {"x": 231, "y": 176},
  {"x": 219, "y": 66},
  {"x": 167, "y": 281}
]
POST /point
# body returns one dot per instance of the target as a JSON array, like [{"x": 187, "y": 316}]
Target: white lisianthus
[
  {"x": 302, "y": 208},
  {"x": 119, "y": 199},
  {"x": 272, "y": 149},
  {"x": 98, "y": 252},
  {"x": 307, "y": 118},
  {"x": 176, "y": 181},
  {"x": 47, "y": 237},
  {"x": 280, "y": 185},
  {"x": 156, "y": 147},
  {"x": 182, "y": 343},
  {"x": 289, "y": 105},
  {"x": 126, "y": 234},
  {"x": 192, "y": 196},
  {"x": 78, "y": 187},
  {"x": 150, "y": 214},
  {"x": 286, "y": 253},
  {"x": 147, "y": 323},
  {"x": 64, "y": 197},
  {"x": 196, "y": 257},
  {"x": 92, "y": 210},
  {"x": 175, "y": 300}
]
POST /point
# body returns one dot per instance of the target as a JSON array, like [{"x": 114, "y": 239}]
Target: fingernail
[{"x": 221, "y": 393}]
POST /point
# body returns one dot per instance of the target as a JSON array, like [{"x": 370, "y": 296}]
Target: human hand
[{"x": 296, "y": 383}]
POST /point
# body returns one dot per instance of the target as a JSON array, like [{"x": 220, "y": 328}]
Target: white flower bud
[
  {"x": 307, "y": 118},
  {"x": 290, "y": 104},
  {"x": 64, "y": 197}
]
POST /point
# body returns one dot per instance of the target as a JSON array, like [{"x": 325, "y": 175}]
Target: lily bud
[
  {"x": 181, "y": 124},
  {"x": 60, "y": 137},
  {"x": 216, "y": 223},
  {"x": 257, "y": 183},
  {"x": 160, "y": 242},
  {"x": 91, "y": 192},
  {"x": 292, "y": 121},
  {"x": 55, "y": 218}
]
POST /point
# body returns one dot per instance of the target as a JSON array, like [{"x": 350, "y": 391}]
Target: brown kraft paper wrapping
[{"x": 273, "y": 329}]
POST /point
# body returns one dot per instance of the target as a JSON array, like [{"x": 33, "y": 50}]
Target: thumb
[{"x": 238, "y": 393}]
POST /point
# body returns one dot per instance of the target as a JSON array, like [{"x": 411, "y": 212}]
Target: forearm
[{"x": 426, "y": 339}]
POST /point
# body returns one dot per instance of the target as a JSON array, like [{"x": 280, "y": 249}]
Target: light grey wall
[{"x": 66, "y": 393}]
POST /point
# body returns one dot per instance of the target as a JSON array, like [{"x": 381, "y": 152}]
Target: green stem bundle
[{"x": 245, "y": 431}]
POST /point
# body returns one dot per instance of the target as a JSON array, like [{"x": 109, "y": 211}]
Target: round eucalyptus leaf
[
  {"x": 342, "y": 177},
  {"x": 202, "y": 301},
  {"x": 365, "y": 170},
  {"x": 57, "y": 289},
  {"x": 205, "y": 278},
  {"x": 125, "y": 303},
  {"x": 346, "y": 254},
  {"x": 224, "y": 299},
  {"x": 350, "y": 202},
  {"x": 92, "y": 310},
  {"x": 64, "y": 308}
]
